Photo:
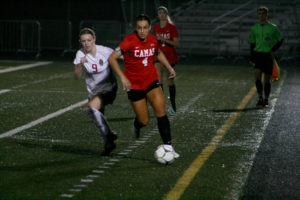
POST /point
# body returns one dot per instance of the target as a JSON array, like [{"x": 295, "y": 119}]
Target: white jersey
[{"x": 98, "y": 74}]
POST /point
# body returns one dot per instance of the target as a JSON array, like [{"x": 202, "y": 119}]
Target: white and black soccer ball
[{"x": 164, "y": 154}]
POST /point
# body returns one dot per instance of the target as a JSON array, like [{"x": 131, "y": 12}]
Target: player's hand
[
  {"x": 172, "y": 73},
  {"x": 83, "y": 60},
  {"x": 126, "y": 84},
  {"x": 158, "y": 38},
  {"x": 251, "y": 63}
]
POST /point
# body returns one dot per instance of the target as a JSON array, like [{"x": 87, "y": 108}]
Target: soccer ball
[{"x": 164, "y": 154}]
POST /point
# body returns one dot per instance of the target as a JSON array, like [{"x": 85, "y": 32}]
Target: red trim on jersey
[
  {"x": 168, "y": 32},
  {"x": 138, "y": 58}
]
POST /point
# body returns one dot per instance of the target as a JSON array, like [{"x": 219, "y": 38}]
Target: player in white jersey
[{"x": 100, "y": 81}]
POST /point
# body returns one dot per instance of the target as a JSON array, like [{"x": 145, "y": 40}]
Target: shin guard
[
  {"x": 259, "y": 88},
  {"x": 100, "y": 121},
  {"x": 267, "y": 89},
  {"x": 172, "y": 91},
  {"x": 164, "y": 129}
]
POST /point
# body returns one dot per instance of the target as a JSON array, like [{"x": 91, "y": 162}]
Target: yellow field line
[{"x": 193, "y": 169}]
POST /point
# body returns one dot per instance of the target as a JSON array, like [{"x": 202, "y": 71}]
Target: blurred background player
[
  {"x": 264, "y": 40},
  {"x": 100, "y": 81},
  {"x": 167, "y": 36},
  {"x": 140, "y": 78}
]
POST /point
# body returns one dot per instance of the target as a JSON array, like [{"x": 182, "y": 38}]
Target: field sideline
[{"x": 49, "y": 148}]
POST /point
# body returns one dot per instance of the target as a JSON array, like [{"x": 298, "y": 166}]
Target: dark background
[
  {"x": 61, "y": 10},
  {"x": 53, "y": 17}
]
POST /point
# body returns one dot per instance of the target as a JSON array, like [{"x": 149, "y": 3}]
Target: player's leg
[
  {"x": 259, "y": 60},
  {"x": 94, "y": 105},
  {"x": 259, "y": 87},
  {"x": 268, "y": 74},
  {"x": 157, "y": 101},
  {"x": 142, "y": 115},
  {"x": 172, "y": 92},
  {"x": 267, "y": 88},
  {"x": 159, "y": 69}
]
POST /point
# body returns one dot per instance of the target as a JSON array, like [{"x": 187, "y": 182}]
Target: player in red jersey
[
  {"x": 140, "y": 78},
  {"x": 167, "y": 35}
]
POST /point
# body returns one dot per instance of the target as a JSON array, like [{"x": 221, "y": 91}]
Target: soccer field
[{"x": 50, "y": 149}]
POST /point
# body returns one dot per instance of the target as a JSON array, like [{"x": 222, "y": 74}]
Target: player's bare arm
[
  {"x": 162, "y": 58},
  {"x": 78, "y": 69},
  {"x": 113, "y": 60},
  {"x": 174, "y": 42}
]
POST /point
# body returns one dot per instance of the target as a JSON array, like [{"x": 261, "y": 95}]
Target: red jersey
[
  {"x": 138, "y": 57},
  {"x": 168, "y": 32}
]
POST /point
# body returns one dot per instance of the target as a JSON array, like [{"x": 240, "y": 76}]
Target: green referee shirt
[{"x": 264, "y": 36}]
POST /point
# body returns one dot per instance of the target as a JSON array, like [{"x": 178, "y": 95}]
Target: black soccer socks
[{"x": 164, "y": 129}]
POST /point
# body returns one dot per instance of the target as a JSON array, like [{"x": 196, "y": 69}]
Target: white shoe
[
  {"x": 176, "y": 155},
  {"x": 171, "y": 149}
]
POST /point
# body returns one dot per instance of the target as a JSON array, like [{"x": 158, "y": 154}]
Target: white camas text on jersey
[
  {"x": 165, "y": 36},
  {"x": 144, "y": 52}
]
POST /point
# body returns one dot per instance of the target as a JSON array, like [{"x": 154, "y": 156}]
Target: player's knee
[
  {"x": 92, "y": 111},
  {"x": 144, "y": 121},
  {"x": 160, "y": 113},
  {"x": 171, "y": 82}
]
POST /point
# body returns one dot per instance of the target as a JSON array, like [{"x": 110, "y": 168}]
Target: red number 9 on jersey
[{"x": 94, "y": 67}]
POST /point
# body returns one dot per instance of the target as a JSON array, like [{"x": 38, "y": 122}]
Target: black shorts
[
  {"x": 108, "y": 97},
  {"x": 264, "y": 62},
  {"x": 135, "y": 95}
]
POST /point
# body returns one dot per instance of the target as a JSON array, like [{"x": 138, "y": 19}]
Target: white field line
[
  {"x": 50, "y": 91},
  {"x": 41, "y": 139},
  {"x": 85, "y": 181},
  {"x": 3, "y": 91},
  {"x": 21, "y": 67},
  {"x": 43, "y": 119},
  {"x": 244, "y": 168}
]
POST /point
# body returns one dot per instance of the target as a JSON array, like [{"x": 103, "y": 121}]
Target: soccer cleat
[
  {"x": 171, "y": 111},
  {"x": 136, "y": 131},
  {"x": 266, "y": 102},
  {"x": 175, "y": 154},
  {"x": 110, "y": 144},
  {"x": 260, "y": 103}
]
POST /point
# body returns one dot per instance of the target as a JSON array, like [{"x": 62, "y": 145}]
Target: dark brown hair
[
  {"x": 142, "y": 17},
  {"x": 263, "y": 8},
  {"x": 87, "y": 31}
]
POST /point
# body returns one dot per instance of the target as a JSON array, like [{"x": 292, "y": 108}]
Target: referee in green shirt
[{"x": 264, "y": 40}]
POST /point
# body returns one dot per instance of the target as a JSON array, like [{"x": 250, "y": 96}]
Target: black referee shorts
[{"x": 264, "y": 62}]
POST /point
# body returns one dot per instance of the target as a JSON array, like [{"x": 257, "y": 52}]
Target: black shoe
[
  {"x": 136, "y": 132},
  {"x": 266, "y": 102},
  {"x": 260, "y": 103},
  {"x": 110, "y": 145}
]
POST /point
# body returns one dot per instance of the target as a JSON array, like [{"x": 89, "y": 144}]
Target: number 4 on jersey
[{"x": 145, "y": 62}]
